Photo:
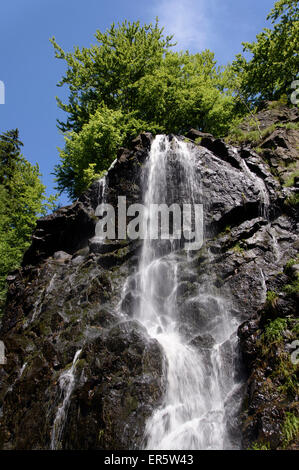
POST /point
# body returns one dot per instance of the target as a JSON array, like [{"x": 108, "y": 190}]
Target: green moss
[
  {"x": 260, "y": 446},
  {"x": 198, "y": 140},
  {"x": 226, "y": 231},
  {"x": 289, "y": 125},
  {"x": 237, "y": 248},
  {"x": 255, "y": 136},
  {"x": 286, "y": 371},
  {"x": 292, "y": 200},
  {"x": 101, "y": 434},
  {"x": 291, "y": 262},
  {"x": 44, "y": 329},
  {"x": 271, "y": 298},
  {"x": 283, "y": 101},
  {"x": 241, "y": 137},
  {"x": 272, "y": 344},
  {"x": 291, "y": 180},
  {"x": 295, "y": 327},
  {"x": 273, "y": 349},
  {"x": 290, "y": 429},
  {"x": 274, "y": 329},
  {"x": 131, "y": 404}
]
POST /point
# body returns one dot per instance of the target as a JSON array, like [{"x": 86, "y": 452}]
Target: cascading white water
[
  {"x": 102, "y": 184},
  {"x": 200, "y": 384},
  {"x": 264, "y": 287},
  {"x": 102, "y": 188},
  {"x": 66, "y": 383},
  {"x": 260, "y": 185}
]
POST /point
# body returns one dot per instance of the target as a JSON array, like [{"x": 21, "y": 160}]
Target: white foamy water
[
  {"x": 201, "y": 387},
  {"x": 260, "y": 185},
  {"x": 66, "y": 384}
]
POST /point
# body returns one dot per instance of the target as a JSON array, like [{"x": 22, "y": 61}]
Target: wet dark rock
[
  {"x": 123, "y": 154},
  {"x": 194, "y": 134},
  {"x": 248, "y": 333},
  {"x": 68, "y": 229},
  {"x": 203, "y": 342},
  {"x": 107, "y": 246},
  {"x": 66, "y": 297},
  {"x": 105, "y": 400},
  {"x": 222, "y": 150},
  {"x": 130, "y": 304},
  {"x": 143, "y": 141},
  {"x": 62, "y": 256}
]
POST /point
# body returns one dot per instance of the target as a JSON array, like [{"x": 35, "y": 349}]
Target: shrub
[
  {"x": 274, "y": 329},
  {"x": 260, "y": 446},
  {"x": 271, "y": 298}
]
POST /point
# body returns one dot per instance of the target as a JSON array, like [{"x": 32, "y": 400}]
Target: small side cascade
[
  {"x": 102, "y": 189},
  {"x": 275, "y": 246},
  {"x": 264, "y": 288},
  {"x": 18, "y": 377},
  {"x": 260, "y": 185},
  {"x": 66, "y": 384}
]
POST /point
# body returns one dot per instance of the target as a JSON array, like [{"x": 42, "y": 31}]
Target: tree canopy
[
  {"x": 131, "y": 81},
  {"x": 274, "y": 63}
]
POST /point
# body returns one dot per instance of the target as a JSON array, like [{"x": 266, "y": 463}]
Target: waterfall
[
  {"x": 275, "y": 246},
  {"x": 201, "y": 383},
  {"x": 264, "y": 287},
  {"x": 102, "y": 183},
  {"x": 262, "y": 189},
  {"x": 102, "y": 186},
  {"x": 66, "y": 384}
]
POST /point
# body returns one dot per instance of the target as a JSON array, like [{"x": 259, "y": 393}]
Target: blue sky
[{"x": 30, "y": 71}]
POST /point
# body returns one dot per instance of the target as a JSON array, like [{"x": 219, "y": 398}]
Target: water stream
[
  {"x": 201, "y": 399},
  {"x": 66, "y": 384}
]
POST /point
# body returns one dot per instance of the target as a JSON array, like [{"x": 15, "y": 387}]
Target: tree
[
  {"x": 186, "y": 91},
  {"x": 22, "y": 201},
  {"x": 107, "y": 72},
  {"x": 9, "y": 154},
  {"x": 129, "y": 82},
  {"x": 88, "y": 153},
  {"x": 268, "y": 74}
]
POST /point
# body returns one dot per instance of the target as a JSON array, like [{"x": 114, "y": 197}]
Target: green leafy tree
[
  {"x": 89, "y": 152},
  {"x": 108, "y": 72},
  {"x": 186, "y": 91},
  {"x": 129, "y": 82},
  {"x": 273, "y": 64},
  {"x": 22, "y": 201}
]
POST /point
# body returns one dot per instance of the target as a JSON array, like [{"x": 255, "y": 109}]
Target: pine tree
[{"x": 22, "y": 201}]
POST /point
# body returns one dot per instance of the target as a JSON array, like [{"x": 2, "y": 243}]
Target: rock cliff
[{"x": 66, "y": 297}]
